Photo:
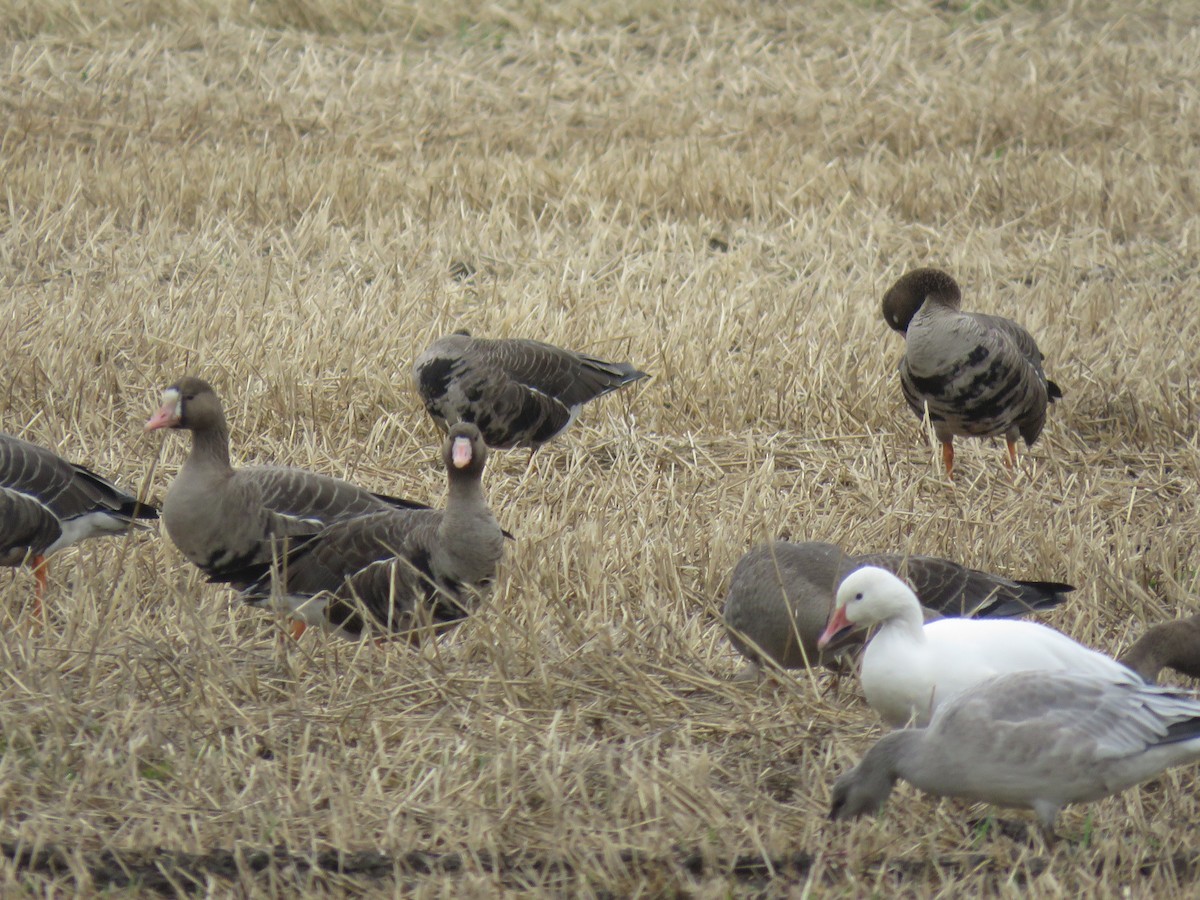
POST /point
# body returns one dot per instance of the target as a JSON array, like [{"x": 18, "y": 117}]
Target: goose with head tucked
[
  {"x": 224, "y": 519},
  {"x": 1036, "y": 740},
  {"x": 782, "y": 593},
  {"x": 910, "y": 666},
  {"x": 398, "y": 571},
  {"x": 519, "y": 393},
  {"x": 977, "y": 375},
  {"x": 1168, "y": 645},
  {"x": 48, "y": 503}
]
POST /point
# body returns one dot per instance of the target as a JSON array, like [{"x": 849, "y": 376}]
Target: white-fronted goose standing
[
  {"x": 910, "y": 667},
  {"x": 978, "y": 375},
  {"x": 48, "y": 503},
  {"x": 781, "y": 595},
  {"x": 1035, "y": 740},
  {"x": 225, "y": 519},
  {"x": 1170, "y": 645},
  {"x": 519, "y": 393},
  {"x": 400, "y": 569}
]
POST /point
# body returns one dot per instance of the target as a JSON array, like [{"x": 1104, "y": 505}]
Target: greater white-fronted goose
[
  {"x": 910, "y": 666},
  {"x": 225, "y": 519},
  {"x": 781, "y": 595},
  {"x": 978, "y": 375},
  {"x": 519, "y": 393},
  {"x": 1036, "y": 740},
  {"x": 1170, "y": 645},
  {"x": 48, "y": 503},
  {"x": 402, "y": 569}
]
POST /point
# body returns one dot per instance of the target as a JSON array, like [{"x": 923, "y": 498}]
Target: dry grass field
[{"x": 293, "y": 197}]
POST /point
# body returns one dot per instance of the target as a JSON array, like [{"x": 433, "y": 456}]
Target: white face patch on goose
[
  {"x": 171, "y": 397},
  {"x": 461, "y": 452}
]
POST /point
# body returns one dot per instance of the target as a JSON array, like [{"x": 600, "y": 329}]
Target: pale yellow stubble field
[{"x": 292, "y": 199}]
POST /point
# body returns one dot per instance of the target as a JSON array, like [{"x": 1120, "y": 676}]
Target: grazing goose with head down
[
  {"x": 782, "y": 593},
  {"x": 225, "y": 519},
  {"x": 47, "y": 503},
  {"x": 519, "y": 393},
  {"x": 1169, "y": 645},
  {"x": 910, "y": 667},
  {"x": 978, "y": 375},
  {"x": 1038, "y": 740},
  {"x": 399, "y": 570}
]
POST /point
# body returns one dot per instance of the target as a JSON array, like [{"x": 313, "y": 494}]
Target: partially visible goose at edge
[
  {"x": 911, "y": 667},
  {"x": 48, "y": 503},
  {"x": 979, "y": 375},
  {"x": 1169, "y": 645},
  {"x": 403, "y": 569},
  {"x": 224, "y": 519},
  {"x": 1037, "y": 740},
  {"x": 781, "y": 595},
  {"x": 519, "y": 393}
]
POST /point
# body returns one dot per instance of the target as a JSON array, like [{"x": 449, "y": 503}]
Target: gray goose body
[
  {"x": 48, "y": 503},
  {"x": 1169, "y": 645},
  {"x": 401, "y": 568},
  {"x": 781, "y": 595},
  {"x": 519, "y": 393},
  {"x": 1037, "y": 740},
  {"x": 224, "y": 519},
  {"x": 979, "y": 375}
]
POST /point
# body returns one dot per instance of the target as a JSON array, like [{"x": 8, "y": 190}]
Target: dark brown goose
[
  {"x": 782, "y": 594},
  {"x": 1170, "y": 645},
  {"x": 519, "y": 393},
  {"x": 401, "y": 569},
  {"x": 47, "y": 503},
  {"x": 224, "y": 519},
  {"x": 979, "y": 375}
]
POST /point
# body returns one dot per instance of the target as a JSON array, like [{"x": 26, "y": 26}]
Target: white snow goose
[
  {"x": 398, "y": 571},
  {"x": 782, "y": 593},
  {"x": 48, "y": 503},
  {"x": 978, "y": 375},
  {"x": 1036, "y": 740},
  {"x": 223, "y": 519},
  {"x": 910, "y": 667},
  {"x": 519, "y": 393}
]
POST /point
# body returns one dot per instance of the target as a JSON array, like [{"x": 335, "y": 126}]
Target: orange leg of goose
[
  {"x": 298, "y": 627},
  {"x": 948, "y": 458},
  {"x": 1011, "y": 460},
  {"x": 41, "y": 579}
]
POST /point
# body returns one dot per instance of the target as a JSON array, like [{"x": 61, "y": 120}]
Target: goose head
[
  {"x": 190, "y": 404},
  {"x": 464, "y": 451},
  {"x": 868, "y": 596},
  {"x": 907, "y": 295}
]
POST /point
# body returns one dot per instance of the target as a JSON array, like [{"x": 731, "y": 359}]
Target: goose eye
[{"x": 858, "y": 596}]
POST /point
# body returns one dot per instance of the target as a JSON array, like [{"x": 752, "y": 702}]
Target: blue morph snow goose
[
  {"x": 781, "y": 595},
  {"x": 519, "y": 393},
  {"x": 978, "y": 375},
  {"x": 48, "y": 503},
  {"x": 224, "y": 519},
  {"x": 910, "y": 667},
  {"x": 399, "y": 570},
  {"x": 1037, "y": 740}
]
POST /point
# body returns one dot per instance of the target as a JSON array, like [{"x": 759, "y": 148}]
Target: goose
[
  {"x": 781, "y": 595},
  {"x": 978, "y": 375},
  {"x": 1170, "y": 645},
  {"x": 910, "y": 667},
  {"x": 224, "y": 519},
  {"x": 397, "y": 570},
  {"x": 519, "y": 393},
  {"x": 48, "y": 503},
  {"x": 1036, "y": 740}
]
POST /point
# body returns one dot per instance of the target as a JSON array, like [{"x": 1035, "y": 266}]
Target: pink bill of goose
[
  {"x": 519, "y": 393},
  {"x": 910, "y": 667},
  {"x": 1036, "y": 740},
  {"x": 978, "y": 375},
  {"x": 781, "y": 595}
]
